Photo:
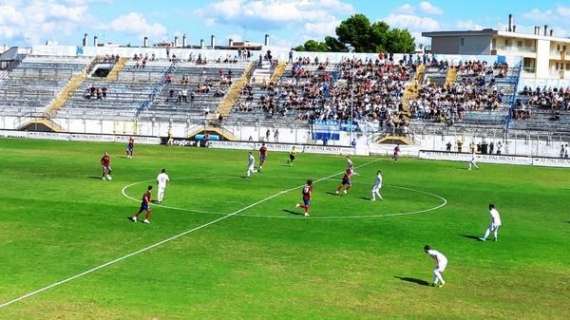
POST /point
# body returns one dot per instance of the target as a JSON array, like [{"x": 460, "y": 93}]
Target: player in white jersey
[
  {"x": 494, "y": 225},
  {"x": 377, "y": 186},
  {"x": 250, "y": 164},
  {"x": 440, "y": 265},
  {"x": 162, "y": 181},
  {"x": 473, "y": 162}
]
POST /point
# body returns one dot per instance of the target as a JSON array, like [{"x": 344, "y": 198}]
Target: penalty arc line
[{"x": 154, "y": 245}]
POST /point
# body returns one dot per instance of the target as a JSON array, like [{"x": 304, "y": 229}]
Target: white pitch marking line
[
  {"x": 134, "y": 253},
  {"x": 124, "y": 193},
  {"x": 369, "y": 216}
]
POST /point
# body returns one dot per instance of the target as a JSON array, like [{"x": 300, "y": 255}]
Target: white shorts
[
  {"x": 376, "y": 188},
  {"x": 441, "y": 267}
]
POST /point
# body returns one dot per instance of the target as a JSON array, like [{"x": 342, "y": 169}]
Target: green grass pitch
[{"x": 352, "y": 259}]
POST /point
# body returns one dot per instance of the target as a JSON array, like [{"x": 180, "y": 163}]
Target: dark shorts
[
  {"x": 307, "y": 202},
  {"x": 346, "y": 182},
  {"x": 291, "y": 157},
  {"x": 144, "y": 207},
  {"x": 262, "y": 158}
]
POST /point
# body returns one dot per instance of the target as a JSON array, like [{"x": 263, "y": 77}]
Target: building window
[
  {"x": 462, "y": 41},
  {"x": 508, "y": 42},
  {"x": 567, "y": 65},
  {"x": 529, "y": 65},
  {"x": 519, "y": 44}
]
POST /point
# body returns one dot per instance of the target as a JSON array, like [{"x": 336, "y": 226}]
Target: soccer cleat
[
  {"x": 133, "y": 219},
  {"x": 373, "y": 199},
  {"x": 146, "y": 221},
  {"x": 306, "y": 214},
  {"x": 441, "y": 284},
  {"x": 297, "y": 205},
  {"x": 337, "y": 192},
  {"x": 345, "y": 192},
  {"x": 482, "y": 239}
]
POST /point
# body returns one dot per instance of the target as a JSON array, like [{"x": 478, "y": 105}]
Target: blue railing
[
  {"x": 156, "y": 90},
  {"x": 514, "y": 97}
]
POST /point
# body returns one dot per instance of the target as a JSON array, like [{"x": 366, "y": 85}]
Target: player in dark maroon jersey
[
  {"x": 130, "y": 148},
  {"x": 346, "y": 182},
  {"x": 106, "y": 165},
  {"x": 396, "y": 155},
  {"x": 307, "y": 193},
  {"x": 145, "y": 207},
  {"x": 262, "y": 155}
]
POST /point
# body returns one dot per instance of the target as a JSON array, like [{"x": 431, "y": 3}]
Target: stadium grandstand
[{"x": 247, "y": 93}]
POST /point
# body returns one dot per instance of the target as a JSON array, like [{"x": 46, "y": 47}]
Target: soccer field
[{"x": 225, "y": 247}]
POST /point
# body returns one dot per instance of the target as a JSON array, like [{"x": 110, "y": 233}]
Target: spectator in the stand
[
  {"x": 562, "y": 151},
  {"x": 267, "y": 134},
  {"x": 448, "y": 146},
  {"x": 276, "y": 135},
  {"x": 491, "y": 147},
  {"x": 184, "y": 95},
  {"x": 499, "y": 147}
]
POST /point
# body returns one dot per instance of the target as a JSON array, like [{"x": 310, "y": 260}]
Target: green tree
[
  {"x": 401, "y": 41},
  {"x": 334, "y": 45},
  {"x": 363, "y": 36},
  {"x": 312, "y": 45},
  {"x": 356, "y": 31}
]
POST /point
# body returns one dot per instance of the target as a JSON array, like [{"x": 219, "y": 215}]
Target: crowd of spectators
[
  {"x": 547, "y": 98},
  {"x": 474, "y": 90},
  {"x": 352, "y": 90}
]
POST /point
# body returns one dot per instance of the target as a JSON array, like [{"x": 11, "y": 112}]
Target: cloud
[
  {"x": 33, "y": 21},
  {"x": 557, "y": 18},
  {"x": 563, "y": 11},
  {"x": 428, "y": 8},
  {"x": 468, "y": 25},
  {"x": 135, "y": 23},
  {"x": 414, "y": 23},
  {"x": 538, "y": 15},
  {"x": 405, "y": 9},
  {"x": 317, "y": 17}
]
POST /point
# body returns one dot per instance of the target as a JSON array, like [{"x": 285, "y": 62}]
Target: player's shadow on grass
[
  {"x": 413, "y": 280},
  {"x": 94, "y": 177},
  {"x": 469, "y": 236},
  {"x": 295, "y": 213}
]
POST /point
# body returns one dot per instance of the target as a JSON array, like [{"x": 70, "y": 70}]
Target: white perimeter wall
[{"x": 516, "y": 144}]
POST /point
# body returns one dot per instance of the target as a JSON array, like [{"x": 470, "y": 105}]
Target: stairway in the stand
[
  {"x": 226, "y": 105},
  {"x": 451, "y": 77},
  {"x": 117, "y": 68}
]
